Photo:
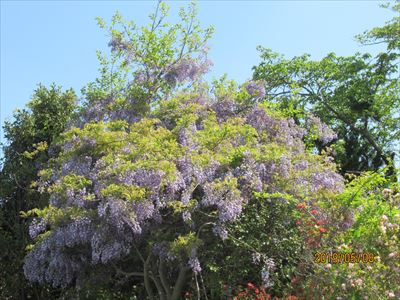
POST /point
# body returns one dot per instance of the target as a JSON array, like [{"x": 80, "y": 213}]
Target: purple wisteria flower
[
  {"x": 325, "y": 134},
  {"x": 163, "y": 252},
  {"x": 118, "y": 44},
  {"x": 256, "y": 89},
  {"x": 329, "y": 180},
  {"x": 269, "y": 267},
  {"x": 186, "y": 69},
  {"x": 220, "y": 230},
  {"x": 37, "y": 227},
  {"x": 194, "y": 264}
]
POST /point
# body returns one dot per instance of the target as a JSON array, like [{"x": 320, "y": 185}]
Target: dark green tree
[{"x": 30, "y": 137}]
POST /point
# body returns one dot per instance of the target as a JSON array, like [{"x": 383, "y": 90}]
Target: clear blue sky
[{"x": 55, "y": 41}]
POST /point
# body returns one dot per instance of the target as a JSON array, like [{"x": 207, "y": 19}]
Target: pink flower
[
  {"x": 250, "y": 285},
  {"x": 358, "y": 282},
  {"x": 390, "y": 294}
]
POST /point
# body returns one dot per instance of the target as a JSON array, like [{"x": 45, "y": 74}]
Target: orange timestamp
[{"x": 343, "y": 257}]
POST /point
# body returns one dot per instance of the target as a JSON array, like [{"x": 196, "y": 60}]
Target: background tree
[
  {"x": 31, "y": 138},
  {"x": 387, "y": 34},
  {"x": 358, "y": 96}
]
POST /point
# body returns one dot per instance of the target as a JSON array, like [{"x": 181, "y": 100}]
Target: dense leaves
[{"x": 31, "y": 141}]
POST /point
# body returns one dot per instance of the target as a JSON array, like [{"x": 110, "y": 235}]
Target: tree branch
[
  {"x": 179, "y": 283},
  {"x": 160, "y": 289},
  {"x": 147, "y": 284},
  {"x": 163, "y": 278}
]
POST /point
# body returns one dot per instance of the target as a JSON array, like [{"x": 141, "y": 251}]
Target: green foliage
[
  {"x": 31, "y": 137},
  {"x": 373, "y": 203},
  {"x": 130, "y": 193},
  {"x": 387, "y": 34}
]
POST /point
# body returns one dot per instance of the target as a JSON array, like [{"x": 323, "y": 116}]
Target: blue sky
[{"x": 55, "y": 41}]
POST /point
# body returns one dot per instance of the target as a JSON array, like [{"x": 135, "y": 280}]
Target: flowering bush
[{"x": 369, "y": 222}]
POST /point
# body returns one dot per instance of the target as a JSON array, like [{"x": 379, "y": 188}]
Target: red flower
[
  {"x": 301, "y": 206},
  {"x": 319, "y": 222},
  {"x": 323, "y": 230},
  {"x": 256, "y": 291},
  {"x": 314, "y": 212}
]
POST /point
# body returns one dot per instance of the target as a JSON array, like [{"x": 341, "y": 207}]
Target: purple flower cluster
[
  {"x": 37, "y": 227},
  {"x": 325, "y": 134},
  {"x": 77, "y": 165},
  {"x": 118, "y": 44},
  {"x": 194, "y": 264},
  {"x": 251, "y": 175},
  {"x": 227, "y": 200},
  {"x": 163, "y": 252},
  {"x": 186, "y": 69},
  {"x": 46, "y": 263},
  {"x": 77, "y": 198},
  {"x": 269, "y": 266},
  {"x": 347, "y": 221},
  {"x": 224, "y": 109},
  {"x": 75, "y": 233},
  {"x": 328, "y": 180},
  {"x": 108, "y": 244},
  {"x": 256, "y": 89},
  {"x": 220, "y": 230},
  {"x": 282, "y": 131}
]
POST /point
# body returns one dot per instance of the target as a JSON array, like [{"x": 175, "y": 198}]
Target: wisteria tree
[{"x": 158, "y": 166}]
